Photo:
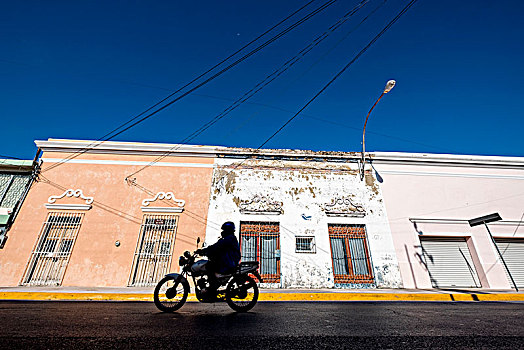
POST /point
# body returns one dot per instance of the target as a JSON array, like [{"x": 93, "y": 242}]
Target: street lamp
[
  {"x": 389, "y": 85},
  {"x": 484, "y": 220}
]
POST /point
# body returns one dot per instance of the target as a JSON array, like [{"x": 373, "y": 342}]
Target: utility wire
[
  {"x": 259, "y": 86},
  {"x": 395, "y": 19},
  {"x": 124, "y": 127},
  {"x": 348, "y": 33},
  {"x": 406, "y": 8}
]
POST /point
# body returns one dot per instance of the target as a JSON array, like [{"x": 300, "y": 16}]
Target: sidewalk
[{"x": 146, "y": 294}]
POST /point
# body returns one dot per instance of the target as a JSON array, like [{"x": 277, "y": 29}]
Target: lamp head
[{"x": 389, "y": 85}]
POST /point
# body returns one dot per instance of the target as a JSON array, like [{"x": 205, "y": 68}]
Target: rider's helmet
[{"x": 228, "y": 228}]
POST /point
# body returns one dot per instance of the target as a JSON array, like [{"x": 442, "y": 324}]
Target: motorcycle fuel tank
[{"x": 199, "y": 266}]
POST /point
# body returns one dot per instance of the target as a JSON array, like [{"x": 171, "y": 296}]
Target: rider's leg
[{"x": 211, "y": 270}]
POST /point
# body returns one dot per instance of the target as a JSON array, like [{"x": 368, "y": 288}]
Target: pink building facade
[
  {"x": 429, "y": 199},
  {"x": 83, "y": 224}
]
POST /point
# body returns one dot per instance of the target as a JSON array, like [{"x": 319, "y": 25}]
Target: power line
[
  {"x": 315, "y": 63},
  {"x": 115, "y": 131},
  {"x": 339, "y": 42},
  {"x": 259, "y": 86},
  {"x": 361, "y": 52},
  {"x": 340, "y": 72}
]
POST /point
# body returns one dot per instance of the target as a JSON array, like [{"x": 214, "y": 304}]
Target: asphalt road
[{"x": 291, "y": 325}]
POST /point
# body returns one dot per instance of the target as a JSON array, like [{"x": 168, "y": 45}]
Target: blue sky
[{"x": 74, "y": 69}]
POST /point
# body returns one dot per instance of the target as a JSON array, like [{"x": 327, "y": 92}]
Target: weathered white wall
[{"x": 304, "y": 188}]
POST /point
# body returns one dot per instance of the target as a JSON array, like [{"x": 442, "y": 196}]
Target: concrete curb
[{"x": 66, "y": 296}]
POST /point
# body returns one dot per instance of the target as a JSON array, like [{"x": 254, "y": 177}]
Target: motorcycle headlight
[{"x": 182, "y": 261}]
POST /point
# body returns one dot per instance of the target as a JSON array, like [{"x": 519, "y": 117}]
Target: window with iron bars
[
  {"x": 260, "y": 241},
  {"x": 350, "y": 254},
  {"x": 305, "y": 244},
  {"x": 53, "y": 249},
  {"x": 154, "y": 249}
]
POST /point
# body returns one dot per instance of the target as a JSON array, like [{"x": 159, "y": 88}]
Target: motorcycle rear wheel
[
  {"x": 169, "y": 296},
  {"x": 242, "y": 293}
]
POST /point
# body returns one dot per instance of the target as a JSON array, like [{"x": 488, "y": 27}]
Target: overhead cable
[
  {"x": 335, "y": 77},
  {"x": 260, "y": 85},
  {"x": 127, "y": 125}
]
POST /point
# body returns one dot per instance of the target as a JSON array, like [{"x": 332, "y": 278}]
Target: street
[{"x": 293, "y": 325}]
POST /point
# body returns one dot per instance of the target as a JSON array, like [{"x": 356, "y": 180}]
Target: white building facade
[{"x": 310, "y": 221}]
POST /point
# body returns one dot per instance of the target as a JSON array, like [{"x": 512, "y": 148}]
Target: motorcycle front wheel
[
  {"x": 242, "y": 293},
  {"x": 169, "y": 296}
]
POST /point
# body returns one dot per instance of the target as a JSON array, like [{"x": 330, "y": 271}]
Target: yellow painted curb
[
  {"x": 44, "y": 296},
  {"x": 339, "y": 296},
  {"x": 388, "y": 297}
]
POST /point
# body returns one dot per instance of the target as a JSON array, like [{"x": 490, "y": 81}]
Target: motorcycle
[{"x": 238, "y": 289}]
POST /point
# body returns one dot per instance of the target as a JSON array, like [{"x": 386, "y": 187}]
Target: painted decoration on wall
[
  {"x": 261, "y": 205},
  {"x": 344, "y": 206},
  {"x": 51, "y": 201},
  {"x": 170, "y": 198}
]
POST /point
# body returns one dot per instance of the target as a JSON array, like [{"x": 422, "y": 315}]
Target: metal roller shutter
[
  {"x": 449, "y": 262},
  {"x": 512, "y": 251}
]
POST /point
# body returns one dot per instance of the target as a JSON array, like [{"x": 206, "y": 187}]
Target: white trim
[
  {"x": 463, "y": 221},
  {"x": 456, "y": 159},
  {"x": 160, "y": 196},
  {"x": 164, "y": 195},
  {"x": 162, "y": 209},
  {"x": 71, "y": 193},
  {"x": 420, "y": 173},
  {"x": 68, "y": 206},
  {"x": 125, "y": 162},
  {"x": 112, "y": 147},
  {"x": 6, "y": 211}
]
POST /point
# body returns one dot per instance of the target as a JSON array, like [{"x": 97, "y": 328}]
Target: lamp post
[{"x": 389, "y": 85}]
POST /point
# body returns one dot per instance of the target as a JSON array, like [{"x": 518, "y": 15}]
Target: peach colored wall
[
  {"x": 412, "y": 191},
  {"x": 115, "y": 215}
]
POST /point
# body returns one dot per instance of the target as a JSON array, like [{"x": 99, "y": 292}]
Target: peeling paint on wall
[{"x": 304, "y": 188}]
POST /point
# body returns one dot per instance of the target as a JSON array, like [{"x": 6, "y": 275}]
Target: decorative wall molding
[
  {"x": 51, "y": 201},
  {"x": 261, "y": 205},
  {"x": 344, "y": 206},
  {"x": 180, "y": 203}
]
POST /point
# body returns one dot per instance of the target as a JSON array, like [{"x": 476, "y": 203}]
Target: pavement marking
[{"x": 304, "y": 296}]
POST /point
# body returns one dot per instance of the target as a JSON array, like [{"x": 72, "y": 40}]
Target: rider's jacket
[{"x": 225, "y": 254}]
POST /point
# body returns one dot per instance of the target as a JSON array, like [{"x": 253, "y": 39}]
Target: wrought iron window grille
[{"x": 305, "y": 244}]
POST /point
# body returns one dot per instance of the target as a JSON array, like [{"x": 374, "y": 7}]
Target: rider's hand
[{"x": 198, "y": 251}]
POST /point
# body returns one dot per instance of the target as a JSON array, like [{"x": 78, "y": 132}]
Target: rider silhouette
[{"x": 224, "y": 255}]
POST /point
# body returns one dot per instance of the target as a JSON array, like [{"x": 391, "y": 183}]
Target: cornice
[
  {"x": 133, "y": 148},
  {"x": 137, "y": 148}
]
